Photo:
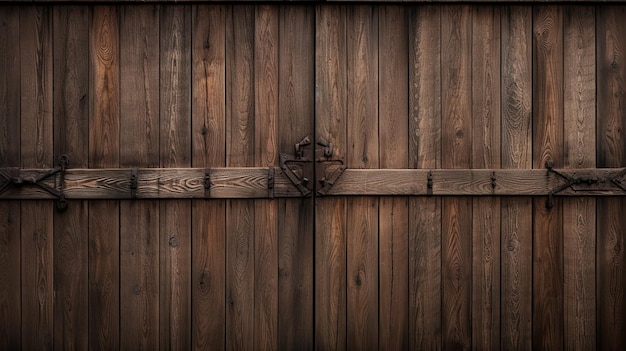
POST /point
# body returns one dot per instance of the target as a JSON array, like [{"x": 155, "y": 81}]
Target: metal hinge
[
  {"x": 15, "y": 177},
  {"x": 312, "y": 168},
  {"x": 589, "y": 181}
]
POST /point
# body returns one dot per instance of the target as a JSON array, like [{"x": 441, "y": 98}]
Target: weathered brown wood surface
[
  {"x": 71, "y": 135},
  {"x": 104, "y": 109},
  {"x": 330, "y": 213},
  {"x": 611, "y": 149},
  {"x": 579, "y": 214},
  {"x": 10, "y": 224},
  {"x": 425, "y": 152},
  {"x": 516, "y": 225},
  {"x": 296, "y": 97},
  {"x": 437, "y": 236}
]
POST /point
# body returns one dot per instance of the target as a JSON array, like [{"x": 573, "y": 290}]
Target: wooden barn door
[
  {"x": 461, "y": 128},
  {"x": 461, "y": 186}
]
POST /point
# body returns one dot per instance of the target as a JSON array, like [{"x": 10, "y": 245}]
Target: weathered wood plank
[
  {"x": 266, "y": 45},
  {"x": 139, "y": 140},
  {"x": 208, "y": 149},
  {"x": 10, "y": 293},
  {"x": 516, "y": 153},
  {"x": 362, "y": 152},
  {"x": 611, "y": 152},
  {"x": 456, "y": 153},
  {"x": 10, "y": 252},
  {"x": 486, "y": 131},
  {"x": 104, "y": 308},
  {"x": 425, "y": 152},
  {"x": 393, "y": 145},
  {"x": 71, "y": 137},
  {"x": 579, "y": 215},
  {"x": 547, "y": 147},
  {"x": 9, "y": 83},
  {"x": 175, "y": 151},
  {"x": 330, "y": 214},
  {"x": 240, "y": 151},
  {"x": 36, "y": 151},
  {"x": 296, "y": 219}
]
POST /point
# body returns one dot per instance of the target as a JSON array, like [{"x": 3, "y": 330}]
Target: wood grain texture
[
  {"x": 393, "y": 152},
  {"x": 295, "y": 217},
  {"x": 240, "y": 151},
  {"x": 362, "y": 152},
  {"x": 252, "y": 183},
  {"x": 71, "y": 137},
  {"x": 104, "y": 299},
  {"x": 175, "y": 151},
  {"x": 139, "y": 136},
  {"x": 10, "y": 259},
  {"x": 579, "y": 215},
  {"x": 547, "y": 147},
  {"x": 330, "y": 214},
  {"x": 425, "y": 152},
  {"x": 456, "y": 149},
  {"x": 10, "y": 252},
  {"x": 610, "y": 151},
  {"x": 36, "y": 151},
  {"x": 10, "y": 79},
  {"x": 266, "y": 46},
  {"x": 486, "y": 73},
  {"x": 208, "y": 149},
  {"x": 516, "y": 213}
]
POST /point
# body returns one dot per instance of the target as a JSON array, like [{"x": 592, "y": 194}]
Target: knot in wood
[{"x": 173, "y": 241}]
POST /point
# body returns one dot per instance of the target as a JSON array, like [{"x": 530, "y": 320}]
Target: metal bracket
[
  {"x": 270, "y": 182},
  {"x": 133, "y": 183},
  {"x": 312, "y": 161},
  {"x": 571, "y": 181},
  {"x": 15, "y": 177},
  {"x": 300, "y": 176},
  {"x": 327, "y": 169},
  {"x": 207, "y": 183}
]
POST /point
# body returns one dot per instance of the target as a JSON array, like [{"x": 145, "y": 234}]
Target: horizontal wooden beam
[
  {"x": 157, "y": 183},
  {"x": 476, "y": 182},
  {"x": 254, "y": 182}
]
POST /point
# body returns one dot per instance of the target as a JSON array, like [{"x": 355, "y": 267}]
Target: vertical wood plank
[
  {"x": 240, "y": 145},
  {"x": 9, "y": 86},
  {"x": 486, "y": 154},
  {"x": 516, "y": 213},
  {"x": 266, "y": 155},
  {"x": 208, "y": 150},
  {"x": 362, "y": 152},
  {"x": 330, "y": 213},
  {"x": 10, "y": 242},
  {"x": 175, "y": 151},
  {"x": 36, "y": 152},
  {"x": 71, "y": 132},
  {"x": 295, "y": 224},
  {"x": 393, "y": 145},
  {"x": 139, "y": 141},
  {"x": 456, "y": 153},
  {"x": 425, "y": 152},
  {"x": 104, "y": 122},
  {"x": 579, "y": 214},
  {"x": 611, "y": 152},
  {"x": 547, "y": 147}
]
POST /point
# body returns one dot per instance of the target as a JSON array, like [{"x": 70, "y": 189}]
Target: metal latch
[{"x": 312, "y": 167}]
